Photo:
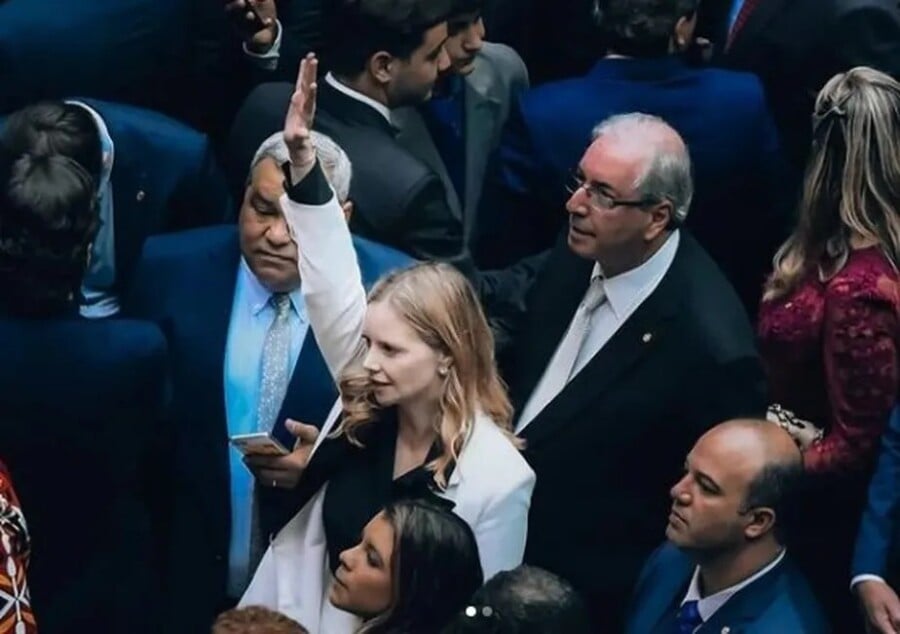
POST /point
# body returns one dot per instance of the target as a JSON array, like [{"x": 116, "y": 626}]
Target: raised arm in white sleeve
[{"x": 330, "y": 279}]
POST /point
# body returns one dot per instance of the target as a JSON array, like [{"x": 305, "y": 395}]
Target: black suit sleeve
[{"x": 869, "y": 35}]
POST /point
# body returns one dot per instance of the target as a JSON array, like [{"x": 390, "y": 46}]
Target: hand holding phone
[
  {"x": 258, "y": 444},
  {"x": 255, "y": 21}
]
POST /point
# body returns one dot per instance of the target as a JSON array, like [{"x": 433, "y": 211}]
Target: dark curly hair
[
  {"x": 641, "y": 28},
  {"x": 48, "y": 219},
  {"x": 55, "y": 127}
]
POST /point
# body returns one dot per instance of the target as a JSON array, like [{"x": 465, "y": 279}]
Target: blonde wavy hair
[
  {"x": 443, "y": 309},
  {"x": 852, "y": 182}
]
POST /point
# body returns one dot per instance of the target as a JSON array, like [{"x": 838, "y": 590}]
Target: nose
[
  {"x": 443, "y": 60},
  {"x": 680, "y": 493},
  {"x": 370, "y": 362},
  {"x": 578, "y": 202},
  {"x": 278, "y": 233},
  {"x": 474, "y": 39},
  {"x": 346, "y": 558}
]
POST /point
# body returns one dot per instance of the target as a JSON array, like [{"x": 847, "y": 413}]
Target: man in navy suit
[
  {"x": 737, "y": 215},
  {"x": 725, "y": 568},
  {"x": 875, "y": 560},
  {"x": 230, "y": 304},
  {"x": 152, "y": 174},
  {"x": 81, "y": 414}
]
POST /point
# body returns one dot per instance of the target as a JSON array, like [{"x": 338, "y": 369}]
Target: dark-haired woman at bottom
[{"x": 414, "y": 568}]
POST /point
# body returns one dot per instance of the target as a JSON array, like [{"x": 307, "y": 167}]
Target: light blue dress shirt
[
  {"x": 251, "y": 316},
  {"x": 736, "y": 7},
  {"x": 99, "y": 298}
]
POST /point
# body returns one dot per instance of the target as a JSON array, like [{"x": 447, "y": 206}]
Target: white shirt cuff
[
  {"x": 858, "y": 579},
  {"x": 269, "y": 59}
]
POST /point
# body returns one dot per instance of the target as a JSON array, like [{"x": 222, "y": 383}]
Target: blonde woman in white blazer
[{"x": 421, "y": 402}]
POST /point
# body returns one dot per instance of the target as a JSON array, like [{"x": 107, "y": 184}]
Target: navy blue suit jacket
[
  {"x": 81, "y": 424},
  {"x": 779, "y": 601},
  {"x": 164, "y": 177},
  {"x": 739, "y": 209},
  {"x": 186, "y": 284},
  {"x": 877, "y": 542}
]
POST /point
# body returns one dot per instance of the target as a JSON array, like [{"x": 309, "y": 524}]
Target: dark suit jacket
[
  {"x": 795, "y": 46},
  {"x": 398, "y": 200},
  {"x": 82, "y": 432},
  {"x": 186, "y": 284},
  {"x": 738, "y": 214},
  {"x": 779, "y": 601},
  {"x": 607, "y": 449},
  {"x": 879, "y": 532}
]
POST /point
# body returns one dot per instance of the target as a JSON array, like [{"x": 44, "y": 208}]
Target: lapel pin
[
  {"x": 646, "y": 339},
  {"x": 140, "y": 195},
  {"x": 726, "y": 630}
]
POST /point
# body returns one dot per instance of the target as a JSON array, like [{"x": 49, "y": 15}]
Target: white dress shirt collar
[
  {"x": 380, "y": 108},
  {"x": 258, "y": 295},
  {"x": 628, "y": 288},
  {"x": 707, "y": 606}
]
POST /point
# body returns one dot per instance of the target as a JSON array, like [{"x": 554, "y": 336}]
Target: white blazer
[{"x": 491, "y": 485}]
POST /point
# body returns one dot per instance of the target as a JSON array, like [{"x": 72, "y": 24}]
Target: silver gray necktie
[
  {"x": 276, "y": 366},
  {"x": 559, "y": 370}
]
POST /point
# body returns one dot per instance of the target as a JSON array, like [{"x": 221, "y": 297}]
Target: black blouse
[{"x": 363, "y": 482}]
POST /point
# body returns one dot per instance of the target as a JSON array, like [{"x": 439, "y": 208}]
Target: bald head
[
  {"x": 739, "y": 480},
  {"x": 754, "y": 441}
]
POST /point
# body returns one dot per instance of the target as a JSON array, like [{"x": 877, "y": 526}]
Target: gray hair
[
  {"x": 335, "y": 162},
  {"x": 667, "y": 174}
]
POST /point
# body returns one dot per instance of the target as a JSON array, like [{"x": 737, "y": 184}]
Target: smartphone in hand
[{"x": 258, "y": 444}]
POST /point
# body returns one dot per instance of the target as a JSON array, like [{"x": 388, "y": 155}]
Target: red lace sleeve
[
  {"x": 861, "y": 369},
  {"x": 15, "y": 603}
]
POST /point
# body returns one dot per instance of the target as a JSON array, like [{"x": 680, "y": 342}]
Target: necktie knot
[
  {"x": 596, "y": 295},
  {"x": 689, "y": 618},
  {"x": 281, "y": 302}
]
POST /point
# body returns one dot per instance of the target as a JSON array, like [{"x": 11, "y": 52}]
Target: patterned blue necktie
[
  {"x": 276, "y": 370},
  {"x": 688, "y": 618}
]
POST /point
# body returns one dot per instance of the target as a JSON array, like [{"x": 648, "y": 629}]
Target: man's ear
[
  {"x": 348, "y": 210},
  {"x": 661, "y": 216},
  {"x": 760, "y": 521},
  {"x": 379, "y": 67}
]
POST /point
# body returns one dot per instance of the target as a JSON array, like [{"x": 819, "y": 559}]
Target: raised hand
[{"x": 299, "y": 121}]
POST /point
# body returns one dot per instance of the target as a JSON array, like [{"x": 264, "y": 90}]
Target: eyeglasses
[{"x": 599, "y": 200}]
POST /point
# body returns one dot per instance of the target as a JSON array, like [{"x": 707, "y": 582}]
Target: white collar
[
  {"x": 380, "y": 108},
  {"x": 707, "y": 606},
  {"x": 624, "y": 289},
  {"x": 106, "y": 143},
  {"x": 258, "y": 295}
]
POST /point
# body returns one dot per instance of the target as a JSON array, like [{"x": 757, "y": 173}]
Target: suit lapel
[
  {"x": 414, "y": 136},
  {"x": 756, "y": 23},
  {"x": 562, "y": 289},
  {"x": 481, "y": 113},
  {"x": 638, "y": 336},
  {"x": 644, "y": 331},
  {"x": 745, "y": 606}
]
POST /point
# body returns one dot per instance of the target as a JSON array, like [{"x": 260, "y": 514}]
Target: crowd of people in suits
[{"x": 573, "y": 316}]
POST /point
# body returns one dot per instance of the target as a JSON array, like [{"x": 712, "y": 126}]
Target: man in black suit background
[
  {"x": 631, "y": 345},
  {"x": 390, "y": 55},
  {"x": 795, "y": 46}
]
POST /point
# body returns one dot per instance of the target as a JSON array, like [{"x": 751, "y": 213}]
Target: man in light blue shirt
[{"x": 244, "y": 361}]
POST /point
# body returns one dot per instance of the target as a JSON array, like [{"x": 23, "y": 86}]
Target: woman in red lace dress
[
  {"x": 828, "y": 322},
  {"x": 15, "y": 603}
]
